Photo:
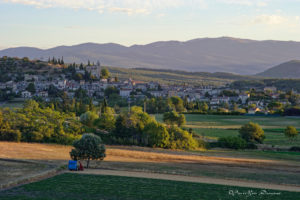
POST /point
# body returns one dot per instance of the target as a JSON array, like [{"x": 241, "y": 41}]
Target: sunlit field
[{"x": 216, "y": 126}]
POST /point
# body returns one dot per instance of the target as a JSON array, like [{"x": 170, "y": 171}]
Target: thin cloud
[
  {"x": 129, "y": 7},
  {"x": 258, "y": 3},
  {"x": 276, "y": 20},
  {"x": 269, "y": 19}
]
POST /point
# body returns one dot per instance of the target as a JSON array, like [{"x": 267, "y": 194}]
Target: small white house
[
  {"x": 244, "y": 98},
  {"x": 26, "y": 94},
  {"x": 43, "y": 94},
  {"x": 156, "y": 93},
  {"x": 141, "y": 86},
  {"x": 125, "y": 92}
]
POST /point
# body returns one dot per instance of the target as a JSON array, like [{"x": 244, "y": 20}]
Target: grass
[
  {"x": 215, "y": 133},
  {"x": 76, "y": 186},
  {"x": 11, "y": 105},
  {"x": 33, "y": 151},
  {"x": 257, "y": 154},
  {"x": 216, "y": 126},
  {"x": 10, "y": 170},
  {"x": 238, "y": 120}
]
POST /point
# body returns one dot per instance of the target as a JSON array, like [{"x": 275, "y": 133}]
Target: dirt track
[{"x": 207, "y": 180}]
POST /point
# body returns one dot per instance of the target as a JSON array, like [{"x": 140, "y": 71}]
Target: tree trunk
[{"x": 88, "y": 163}]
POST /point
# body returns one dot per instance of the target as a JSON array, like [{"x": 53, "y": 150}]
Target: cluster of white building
[{"x": 128, "y": 88}]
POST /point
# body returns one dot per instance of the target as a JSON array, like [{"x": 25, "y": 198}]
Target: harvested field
[{"x": 165, "y": 161}]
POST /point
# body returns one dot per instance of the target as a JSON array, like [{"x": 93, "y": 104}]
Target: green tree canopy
[
  {"x": 89, "y": 147},
  {"x": 181, "y": 139},
  {"x": 109, "y": 91},
  {"x": 31, "y": 88},
  {"x": 157, "y": 135},
  {"x": 1, "y": 117},
  {"x": 81, "y": 93},
  {"x": 173, "y": 117},
  {"x": 105, "y": 73},
  {"x": 176, "y": 103},
  {"x": 252, "y": 132},
  {"x": 8, "y": 134},
  {"x": 290, "y": 132},
  {"x": 204, "y": 107},
  {"x": 88, "y": 118},
  {"x": 275, "y": 105},
  {"x": 38, "y": 124},
  {"x": 132, "y": 124},
  {"x": 107, "y": 120}
]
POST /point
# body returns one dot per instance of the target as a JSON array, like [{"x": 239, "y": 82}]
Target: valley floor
[{"x": 243, "y": 166}]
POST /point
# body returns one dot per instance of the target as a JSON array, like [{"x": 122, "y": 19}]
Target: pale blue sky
[{"x": 49, "y": 23}]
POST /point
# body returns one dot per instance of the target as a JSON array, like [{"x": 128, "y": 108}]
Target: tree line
[
  {"x": 35, "y": 124},
  {"x": 38, "y": 122}
]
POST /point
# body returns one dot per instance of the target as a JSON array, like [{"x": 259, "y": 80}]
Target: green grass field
[
  {"x": 257, "y": 154},
  {"x": 215, "y": 126},
  {"x": 75, "y": 186},
  {"x": 13, "y": 104}
]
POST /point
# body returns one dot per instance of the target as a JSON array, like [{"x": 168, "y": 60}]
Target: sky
[{"x": 50, "y": 23}]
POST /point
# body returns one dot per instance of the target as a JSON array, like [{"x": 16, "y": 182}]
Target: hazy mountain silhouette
[
  {"x": 289, "y": 69},
  {"x": 207, "y": 54}
]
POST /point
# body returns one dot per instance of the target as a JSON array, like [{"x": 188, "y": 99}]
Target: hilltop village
[{"x": 55, "y": 77}]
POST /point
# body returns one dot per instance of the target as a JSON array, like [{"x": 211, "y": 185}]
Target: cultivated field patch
[
  {"x": 246, "y": 165},
  {"x": 77, "y": 186},
  {"x": 216, "y": 126}
]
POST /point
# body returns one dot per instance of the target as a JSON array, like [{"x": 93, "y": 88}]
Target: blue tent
[{"x": 72, "y": 165}]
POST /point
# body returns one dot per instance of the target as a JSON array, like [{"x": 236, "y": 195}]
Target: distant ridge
[
  {"x": 225, "y": 54},
  {"x": 289, "y": 69}
]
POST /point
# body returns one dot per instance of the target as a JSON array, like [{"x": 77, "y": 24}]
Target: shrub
[
  {"x": 88, "y": 118},
  {"x": 157, "y": 135},
  {"x": 232, "y": 142},
  {"x": 173, "y": 117},
  {"x": 106, "y": 122},
  {"x": 201, "y": 143},
  {"x": 252, "y": 132},
  {"x": 295, "y": 149},
  {"x": 180, "y": 139},
  {"x": 8, "y": 134},
  {"x": 290, "y": 132},
  {"x": 251, "y": 145},
  {"x": 213, "y": 145}
]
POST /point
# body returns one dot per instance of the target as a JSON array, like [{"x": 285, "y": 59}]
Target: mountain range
[
  {"x": 225, "y": 54},
  {"x": 289, "y": 69}
]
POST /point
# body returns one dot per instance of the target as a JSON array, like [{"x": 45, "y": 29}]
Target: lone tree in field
[
  {"x": 290, "y": 132},
  {"x": 252, "y": 132},
  {"x": 89, "y": 147}
]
